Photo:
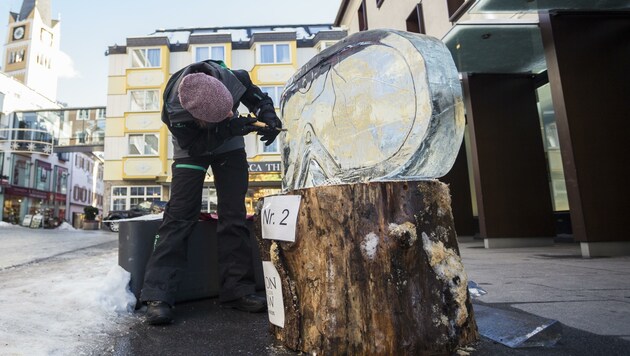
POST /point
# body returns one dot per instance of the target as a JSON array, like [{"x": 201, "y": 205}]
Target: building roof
[
  {"x": 43, "y": 6},
  {"x": 245, "y": 33},
  {"x": 242, "y": 37}
]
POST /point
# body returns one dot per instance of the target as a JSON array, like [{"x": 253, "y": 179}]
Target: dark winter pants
[{"x": 168, "y": 261}]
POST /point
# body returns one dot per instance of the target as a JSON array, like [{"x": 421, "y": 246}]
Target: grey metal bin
[{"x": 201, "y": 279}]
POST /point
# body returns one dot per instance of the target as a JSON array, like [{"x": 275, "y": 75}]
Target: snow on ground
[
  {"x": 20, "y": 245},
  {"x": 61, "y": 291}
]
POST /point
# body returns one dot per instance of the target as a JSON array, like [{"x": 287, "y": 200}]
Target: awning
[
  {"x": 496, "y": 48},
  {"x": 494, "y": 6}
]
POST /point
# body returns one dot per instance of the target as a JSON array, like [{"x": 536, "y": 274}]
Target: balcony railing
[{"x": 26, "y": 140}]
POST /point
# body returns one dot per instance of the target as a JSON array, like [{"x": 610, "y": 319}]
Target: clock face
[{"x": 18, "y": 33}]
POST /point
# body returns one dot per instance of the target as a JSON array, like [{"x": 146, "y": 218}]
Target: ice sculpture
[{"x": 379, "y": 105}]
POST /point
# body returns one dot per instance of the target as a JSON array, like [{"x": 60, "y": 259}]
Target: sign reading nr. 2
[
  {"x": 279, "y": 220},
  {"x": 279, "y": 217}
]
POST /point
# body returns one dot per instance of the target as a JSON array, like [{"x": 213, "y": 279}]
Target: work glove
[
  {"x": 236, "y": 126},
  {"x": 267, "y": 115}
]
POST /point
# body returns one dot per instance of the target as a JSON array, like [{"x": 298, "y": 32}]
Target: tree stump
[{"x": 374, "y": 270}]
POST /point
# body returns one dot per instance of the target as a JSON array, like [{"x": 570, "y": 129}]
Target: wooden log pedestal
[{"x": 374, "y": 270}]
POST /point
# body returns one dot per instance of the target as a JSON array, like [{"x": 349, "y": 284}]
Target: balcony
[
  {"x": 26, "y": 141},
  {"x": 48, "y": 131}
]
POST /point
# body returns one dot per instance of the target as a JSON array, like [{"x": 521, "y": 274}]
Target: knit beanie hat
[{"x": 205, "y": 97}]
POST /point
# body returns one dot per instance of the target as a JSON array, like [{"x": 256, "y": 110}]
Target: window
[
  {"x": 16, "y": 56},
  {"x": 453, "y": 6},
  {"x": 143, "y": 144},
  {"x": 84, "y": 114},
  {"x": 145, "y": 58},
  {"x": 274, "y": 93},
  {"x": 60, "y": 185},
  {"x": 274, "y": 53},
  {"x": 209, "y": 200},
  {"x": 326, "y": 44},
  {"x": 43, "y": 60},
  {"x": 42, "y": 175},
  {"x": 415, "y": 21},
  {"x": 124, "y": 198},
  {"x": 100, "y": 113},
  {"x": 46, "y": 37},
  {"x": 119, "y": 198},
  {"x": 273, "y": 148},
  {"x": 362, "y": 13},
  {"x": 3, "y": 178},
  {"x": 145, "y": 100},
  {"x": 212, "y": 52},
  {"x": 21, "y": 172}
]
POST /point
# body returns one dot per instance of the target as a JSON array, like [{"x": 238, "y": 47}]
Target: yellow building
[{"x": 138, "y": 149}]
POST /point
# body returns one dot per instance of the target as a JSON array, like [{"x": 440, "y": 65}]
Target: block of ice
[{"x": 379, "y": 105}]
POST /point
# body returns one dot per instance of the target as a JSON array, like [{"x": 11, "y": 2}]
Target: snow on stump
[{"x": 375, "y": 269}]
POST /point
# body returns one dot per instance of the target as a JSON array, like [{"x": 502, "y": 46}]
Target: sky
[{"x": 89, "y": 27}]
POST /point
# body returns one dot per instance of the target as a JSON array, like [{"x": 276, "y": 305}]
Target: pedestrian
[{"x": 200, "y": 109}]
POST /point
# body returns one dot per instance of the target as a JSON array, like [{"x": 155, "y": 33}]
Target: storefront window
[
  {"x": 255, "y": 194},
  {"x": 124, "y": 198},
  {"x": 119, "y": 198},
  {"x": 11, "y": 210},
  {"x": 209, "y": 200},
  {"x": 21, "y": 175}
]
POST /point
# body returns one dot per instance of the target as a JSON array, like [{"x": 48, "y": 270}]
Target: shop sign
[
  {"x": 60, "y": 197},
  {"x": 44, "y": 165},
  {"x": 37, "y": 194},
  {"x": 264, "y": 167},
  {"x": 26, "y": 192},
  {"x": 17, "y": 191}
]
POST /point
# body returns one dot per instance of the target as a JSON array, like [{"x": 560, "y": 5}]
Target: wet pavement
[
  {"x": 204, "y": 328},
  {"x": 589, "y": 299}
]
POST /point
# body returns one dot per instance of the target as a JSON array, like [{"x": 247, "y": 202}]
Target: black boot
[
  {"x": 251, "y": 303},
  {"x": 158, "y": 313}
]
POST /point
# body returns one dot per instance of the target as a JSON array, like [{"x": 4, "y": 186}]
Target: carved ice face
[{"x": 380, "y": 105}]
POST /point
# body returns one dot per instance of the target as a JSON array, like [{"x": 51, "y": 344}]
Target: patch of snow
[{"x": 369, "y": 245}]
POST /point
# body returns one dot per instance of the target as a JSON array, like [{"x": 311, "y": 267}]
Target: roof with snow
[{"x": 241, "y": 37}]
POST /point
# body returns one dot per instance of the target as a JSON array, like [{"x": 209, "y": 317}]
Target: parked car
[{"x": 144, "y": 208}]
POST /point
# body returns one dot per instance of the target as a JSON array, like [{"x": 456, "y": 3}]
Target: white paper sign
[
  {"x": 273, "y": 288},
  {"x": 27, "y": 220},
  {"x": 279, "y": 217},
  {"x": 36, "y": 222}
]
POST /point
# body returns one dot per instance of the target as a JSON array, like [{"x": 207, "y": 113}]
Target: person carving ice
[{"x": 200, "y": 103}]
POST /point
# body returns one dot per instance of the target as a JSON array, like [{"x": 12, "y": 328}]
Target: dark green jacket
[{"x": 190, "y": 140}]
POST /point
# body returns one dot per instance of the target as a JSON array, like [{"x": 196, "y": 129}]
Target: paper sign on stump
[
  {"x": 273, "y": 288},
  {"x": 279, "y": 217}
]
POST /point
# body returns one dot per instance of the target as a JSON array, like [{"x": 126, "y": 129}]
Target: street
[{"x": 62, "y": 293}]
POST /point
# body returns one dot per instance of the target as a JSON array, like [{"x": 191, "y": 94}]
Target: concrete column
[
  {"x": 588, "y": 59},
  {"x": 511, "y": 181},
  {"x": 461, "y": 202}
]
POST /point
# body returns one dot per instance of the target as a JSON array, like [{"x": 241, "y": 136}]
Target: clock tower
[{"x": 32, "y": 47}]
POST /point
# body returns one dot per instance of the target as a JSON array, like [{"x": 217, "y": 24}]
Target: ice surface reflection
[{"x": 379, "y": 105}]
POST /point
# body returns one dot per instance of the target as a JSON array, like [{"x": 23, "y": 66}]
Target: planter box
[
  {"x": 91, "y": 225},
  {"x": 201, "y": 278}
]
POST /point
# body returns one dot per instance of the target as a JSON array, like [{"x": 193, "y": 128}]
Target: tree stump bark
[{"x": 374, "y": 270}]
